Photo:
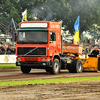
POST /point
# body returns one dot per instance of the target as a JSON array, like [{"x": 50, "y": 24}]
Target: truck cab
[{"x": 38, "y": 42}]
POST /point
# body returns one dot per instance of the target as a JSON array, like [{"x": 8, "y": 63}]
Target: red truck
[{"x": 39, "y": 45}]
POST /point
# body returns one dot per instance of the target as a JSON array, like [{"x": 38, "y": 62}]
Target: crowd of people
[
  {"x": 87, "y": 50},
  {"x": 90, "y": 50},
  {"x": 7, "y": 49}
]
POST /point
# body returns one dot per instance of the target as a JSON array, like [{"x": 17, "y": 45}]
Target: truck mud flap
[{"x": 99, "y": 64}]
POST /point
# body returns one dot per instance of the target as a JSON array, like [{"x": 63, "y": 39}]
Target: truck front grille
[
  {"x": 31, "y": 51},
  {"x": 31, "y": 59}
]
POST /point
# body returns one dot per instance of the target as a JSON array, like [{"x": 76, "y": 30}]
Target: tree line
[{"x": 57, "y": 10}]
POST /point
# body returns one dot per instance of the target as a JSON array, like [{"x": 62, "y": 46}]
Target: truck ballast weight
[{"x": 40, "y": 46}]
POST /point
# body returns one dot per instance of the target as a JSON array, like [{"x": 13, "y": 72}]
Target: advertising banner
[{"x": 7, "y": 58}]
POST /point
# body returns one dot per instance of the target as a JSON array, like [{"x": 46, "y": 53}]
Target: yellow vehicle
[{"x": 91, "y": 63}]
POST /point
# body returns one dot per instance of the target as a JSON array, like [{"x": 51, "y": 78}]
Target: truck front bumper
[{"x": 34, "y": 64}]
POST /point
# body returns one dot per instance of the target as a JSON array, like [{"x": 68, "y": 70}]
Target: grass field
[
  {"x": 8, "y": 65},
  {"x": 45, "y": 81}
]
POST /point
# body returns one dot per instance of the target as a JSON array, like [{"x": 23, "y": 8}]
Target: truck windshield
[{"x": 32, "y": 37}]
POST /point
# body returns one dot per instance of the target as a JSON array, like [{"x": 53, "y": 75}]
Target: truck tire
[
  {"x": 25, "y": 69},
  {"x": 55, "y": 67},
  {"x": 76, "y": 66}
]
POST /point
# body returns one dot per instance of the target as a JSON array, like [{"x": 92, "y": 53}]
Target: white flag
[{"x": 24, "y": 15}]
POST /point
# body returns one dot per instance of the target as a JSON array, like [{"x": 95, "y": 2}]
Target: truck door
[{"x": 53, "y": 47}]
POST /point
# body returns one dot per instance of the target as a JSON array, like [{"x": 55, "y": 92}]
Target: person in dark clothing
[
  {"x": 2, "y": 50},
  {"x": 8, "y": 50},
  {"x": 12, "y": 50},
  {"x": 95, "y": 51}
]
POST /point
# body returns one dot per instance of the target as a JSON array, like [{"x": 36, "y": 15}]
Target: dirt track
[
  {"x": 69, "y": 91},
  {"x": 61, "y": 91},
  {"x": 16, "y": 74}
]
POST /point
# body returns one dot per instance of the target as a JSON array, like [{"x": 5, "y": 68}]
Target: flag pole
[{"x": 79, "y": 29}]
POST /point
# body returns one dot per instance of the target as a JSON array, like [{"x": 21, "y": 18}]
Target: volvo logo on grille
[{"x": 30, "y": 51}]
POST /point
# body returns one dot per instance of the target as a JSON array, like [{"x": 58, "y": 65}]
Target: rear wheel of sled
[
  {"x": 76, "y": 66},
  {"x": 25, "y": 69}
]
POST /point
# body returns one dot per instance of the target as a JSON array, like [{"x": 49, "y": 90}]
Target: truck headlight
[
  {"x": 19, "y": 59},
  {"x": 43, "y": 59}
]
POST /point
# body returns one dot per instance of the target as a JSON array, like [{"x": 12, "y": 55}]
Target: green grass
[
  {"x": 45, "y": 81},
  {"x": 8, "y": 65}
]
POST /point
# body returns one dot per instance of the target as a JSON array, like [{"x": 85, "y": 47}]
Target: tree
[
  {"x": 13, "y": 9},
  {"x": 68, "y": 11},
  {"x": 57, "y": 10}
]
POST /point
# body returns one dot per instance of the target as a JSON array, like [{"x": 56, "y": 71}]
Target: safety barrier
[{"x": 7, "y": 58}]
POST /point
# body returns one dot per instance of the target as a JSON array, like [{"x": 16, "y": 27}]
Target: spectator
[
  {"x": 2, "y": 50},
  {"x": 95, "y": 51},
  {"x": 85, "y": 51},
  {"x": 8, "y": 50},
  {"x": 12, "y": 50}
]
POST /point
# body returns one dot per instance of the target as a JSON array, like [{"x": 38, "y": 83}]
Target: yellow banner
[{"x": 76, "y": 37}]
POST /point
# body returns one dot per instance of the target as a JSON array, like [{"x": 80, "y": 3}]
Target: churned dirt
[
  {"x": 61, "y": 91},
  {"x": 16, "y": 74}
]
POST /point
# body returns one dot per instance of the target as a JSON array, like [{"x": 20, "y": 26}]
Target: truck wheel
[
  {"x": 25, "y": 69},
  {"x": 55, "y": 67},
  {"x": 77, "y": 66}
]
